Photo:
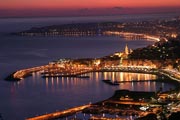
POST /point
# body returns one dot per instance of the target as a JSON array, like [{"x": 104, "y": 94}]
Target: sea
[{"x": 35, "y": 95}]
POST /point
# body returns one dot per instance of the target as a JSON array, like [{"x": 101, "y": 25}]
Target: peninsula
[{"x": 130, "y": 30}]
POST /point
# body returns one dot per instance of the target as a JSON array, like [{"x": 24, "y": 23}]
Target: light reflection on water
[
  {"x": 37, "y": 95},
  {"x": 125, "y": 76},
  {"x": 95, "y": 80}
]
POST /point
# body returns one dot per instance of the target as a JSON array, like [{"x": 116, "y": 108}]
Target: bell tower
[{"x": 126, "y": 50}]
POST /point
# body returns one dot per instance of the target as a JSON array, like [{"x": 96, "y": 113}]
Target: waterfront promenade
[{"x": 132, "y": 35}]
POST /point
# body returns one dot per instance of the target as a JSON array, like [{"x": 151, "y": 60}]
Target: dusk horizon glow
[
  {"x": 14, "y": 8},
  {"x": 86, "y": 3}
]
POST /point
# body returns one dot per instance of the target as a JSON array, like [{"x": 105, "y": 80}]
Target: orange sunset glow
[
  {"x": 13, "y": 7},
  {"x": 85, "y": 3}
]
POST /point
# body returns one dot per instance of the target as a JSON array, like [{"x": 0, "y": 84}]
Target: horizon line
[{"x": 101, "y": 15}]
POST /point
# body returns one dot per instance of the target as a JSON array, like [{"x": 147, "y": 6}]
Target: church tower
[{"x": 126, "y": 50}]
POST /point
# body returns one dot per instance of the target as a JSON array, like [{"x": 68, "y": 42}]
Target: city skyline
[{"x": 34, "y": 8}]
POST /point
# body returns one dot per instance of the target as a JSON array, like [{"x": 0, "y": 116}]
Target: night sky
[{"x": 12, "y": 8}]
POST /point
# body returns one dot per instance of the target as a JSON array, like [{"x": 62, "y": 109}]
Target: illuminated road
[
  {"x": 59, "y": 114},
  {"x": 173, "y": 74},
  {"x": 131, "y": 35},
  {"x": 143, "y": 69}
]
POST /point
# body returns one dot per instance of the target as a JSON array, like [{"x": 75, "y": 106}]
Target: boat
[
  {"x": 115, "y": 83},
  {"x": 110, "y": 82}
]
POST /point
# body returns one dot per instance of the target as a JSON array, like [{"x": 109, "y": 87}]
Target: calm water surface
[{"x": 35, "y": 95}]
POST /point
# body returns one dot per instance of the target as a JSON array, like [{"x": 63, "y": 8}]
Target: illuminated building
[{"x": 126, "y": 50}]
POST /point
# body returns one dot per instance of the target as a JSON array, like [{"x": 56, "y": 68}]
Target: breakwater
[
  {"x": 59, "y": 114},
  {"x": 55, "y": 71}
]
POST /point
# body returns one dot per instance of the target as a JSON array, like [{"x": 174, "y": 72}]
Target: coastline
[
  {"x": 21, "y": 74},
  {"x": 136, "y": 35},
  {"x": 121, "y": 103},
  {"x": 87, "y": 109}
]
